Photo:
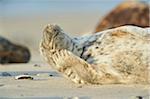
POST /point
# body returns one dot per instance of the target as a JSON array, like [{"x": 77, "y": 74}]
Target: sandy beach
[
  {"x": 23, "y": 23},
  {"x": 49, "y": 84}
]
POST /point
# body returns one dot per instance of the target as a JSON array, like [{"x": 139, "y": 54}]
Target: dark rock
[
  {"x": 139, "y": 97},
  {"x": 51, "y": 75},
  {"x": 12, "y": 53},
  {"x": 37, "y": 65},
  {"x": 128, "y": 13}
]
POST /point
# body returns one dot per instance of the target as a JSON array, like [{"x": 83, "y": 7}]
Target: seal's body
[{"x": 120, "y": 55}]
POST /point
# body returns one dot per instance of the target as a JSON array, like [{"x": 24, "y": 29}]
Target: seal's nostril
[
  {"x": 48, "y": 28},
  {"x": 55, "y": 30},
  {"x": 48, "y": 25}
]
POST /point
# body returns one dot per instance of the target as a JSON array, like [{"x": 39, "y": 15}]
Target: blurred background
[{"x": 22, "y": 21}]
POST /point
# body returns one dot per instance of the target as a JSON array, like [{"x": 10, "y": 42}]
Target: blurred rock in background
[
  {"x": 12, "y": 53},
  {"x": 127, "y": 13}
]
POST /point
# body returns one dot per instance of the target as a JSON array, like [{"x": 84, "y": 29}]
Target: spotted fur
[{"x": 120, "y": 55}]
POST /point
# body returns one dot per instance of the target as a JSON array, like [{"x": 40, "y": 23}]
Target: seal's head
[
  {"x": 55, "y": 38},
  {"x": 50, "y": 31}
]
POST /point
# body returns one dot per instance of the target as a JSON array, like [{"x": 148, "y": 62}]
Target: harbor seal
[{"x": 115, "y": 56}]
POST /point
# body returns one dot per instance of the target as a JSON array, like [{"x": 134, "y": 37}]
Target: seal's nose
[
  {"x": 52, "y": 28},
  {"x": 48, "y": 28}
]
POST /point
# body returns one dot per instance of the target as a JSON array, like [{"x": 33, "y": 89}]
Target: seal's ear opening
[{"x": 56, "y": 28}]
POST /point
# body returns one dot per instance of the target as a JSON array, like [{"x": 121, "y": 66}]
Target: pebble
[
  {"x": 139, "y": 97},
  {"x": 51, "y": 75},
  {"x": 23, "y": 77},
  {"x": 37, "y": 65}
]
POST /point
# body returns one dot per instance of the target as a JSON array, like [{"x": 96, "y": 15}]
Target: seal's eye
[{"x": 55, "y": 30}]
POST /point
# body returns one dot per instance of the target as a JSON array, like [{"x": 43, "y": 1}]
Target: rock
[
  {"x": 51, "y": 75},
  {"x": 37, "y": 65},
  {"x": 139, "y": 97},
  {"x": 23, "y": 77},
  {"x": 12, "y": 53},
  {"x": 128, "y": 13}
]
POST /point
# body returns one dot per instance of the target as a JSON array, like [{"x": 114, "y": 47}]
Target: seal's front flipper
[{"x": 75, "y": 68}]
